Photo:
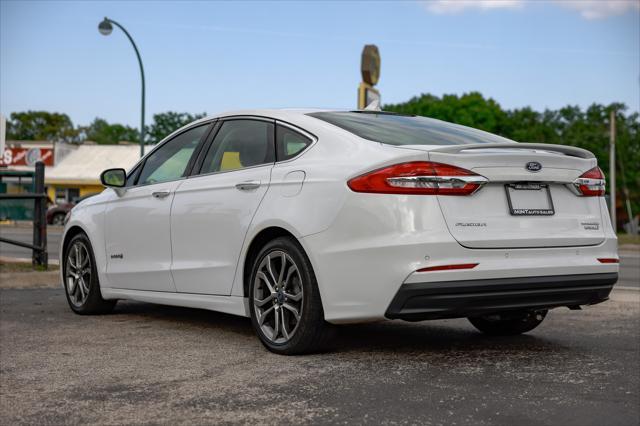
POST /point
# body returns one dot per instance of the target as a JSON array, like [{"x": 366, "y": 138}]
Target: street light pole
[{"x": 105, "y": 29}]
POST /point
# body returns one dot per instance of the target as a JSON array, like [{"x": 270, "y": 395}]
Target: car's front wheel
[
  {"x": 285, "y": 305},
  {"x": 81, "y": 283},
  {"x": 508, "y": 323}
]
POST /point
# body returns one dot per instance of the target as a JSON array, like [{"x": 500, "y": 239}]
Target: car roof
[{"x": 277, "y": 113}]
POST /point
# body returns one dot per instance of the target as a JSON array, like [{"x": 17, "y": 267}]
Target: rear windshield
[{"x": 394, "y": 129}]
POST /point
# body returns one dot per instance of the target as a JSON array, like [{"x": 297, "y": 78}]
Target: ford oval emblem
[{"x": 533, "y": 166}]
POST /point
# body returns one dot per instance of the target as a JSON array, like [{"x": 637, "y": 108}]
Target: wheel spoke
[
  {"x": 283, "y": 265},
  {"x": 264, "y": 278},
  {"x": 263, "y": 301},
  {"x": 80, "y": 288},
  {"x": 78, "y": 256},
  {"x": 276, "y": 325},
  {"x": 71, "y": 284},
  {"x": 293, "y": 310},
  {"x": 263, "y": 316},
  {"x": 71, "y": 264},
  {"x": 85, "y": 259},
  {"x": 290, "y": 272},
  {"x": 270, "y": 270},
  {"x": 294, "y": 297},
  {"x": 284, "y": 326},
  {"x": 85, "y": 287}
]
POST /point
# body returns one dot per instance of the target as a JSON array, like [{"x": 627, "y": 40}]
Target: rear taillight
[
  {"x": 608, "y": 260},
  {"x": 591, "y": 183},
  {"x": 419, "y": 178}
]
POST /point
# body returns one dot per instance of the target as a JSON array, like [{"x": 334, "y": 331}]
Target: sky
[{"x": 216, "y": 56}]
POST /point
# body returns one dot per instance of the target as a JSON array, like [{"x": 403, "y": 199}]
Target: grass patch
[
  {"x": 628, "y": 239},
  {"x": 24, "y": 267}
]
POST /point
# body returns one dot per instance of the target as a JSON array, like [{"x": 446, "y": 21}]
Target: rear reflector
[
  {"x": 609, "y": 260},
  {"x": 419, "y": 178},
  {"x": 591, "y": 183},
  {"x": 448, "y": 267}
]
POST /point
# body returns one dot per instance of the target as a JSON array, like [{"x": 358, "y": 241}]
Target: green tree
[
  {"x": 40, "y": 125},
  {"x": 101, "y": 132},
  {"x": 167, "y": 122}
]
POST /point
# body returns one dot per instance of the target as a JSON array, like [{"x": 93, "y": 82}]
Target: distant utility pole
[{"x": 612, "y": 169}]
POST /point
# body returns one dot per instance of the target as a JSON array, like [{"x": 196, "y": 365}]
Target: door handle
[
  {"x": 160, "y": 194},
  {"x": 250, "y": 184}
]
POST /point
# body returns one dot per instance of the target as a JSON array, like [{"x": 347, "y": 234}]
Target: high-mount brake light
[
  {"x": 419, "y": 178},
  {"x": 591, "y": 183}
]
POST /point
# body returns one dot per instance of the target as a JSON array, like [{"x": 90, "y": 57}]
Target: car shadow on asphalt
[{"x": 441, "y": 336}]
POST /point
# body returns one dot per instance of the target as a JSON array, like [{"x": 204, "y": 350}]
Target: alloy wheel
[
  {"x": 78, "y": 273},
  {"x": 278, "y": 296}
]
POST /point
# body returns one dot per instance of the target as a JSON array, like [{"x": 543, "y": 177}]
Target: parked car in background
[
  {"x": 57, "y": 212},
  {"x": 303, "y": 218}
]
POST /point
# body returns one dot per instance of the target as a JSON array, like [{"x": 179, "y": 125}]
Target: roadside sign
[
  {"x": 370, "y": 70},
  {"x": 18, "y": 156}
]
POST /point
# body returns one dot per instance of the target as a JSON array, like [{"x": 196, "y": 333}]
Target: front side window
[
  {"x": 289, "y": 143},
  {"x": 240, "y": 144},
  {"x": 169, "y": 162}
]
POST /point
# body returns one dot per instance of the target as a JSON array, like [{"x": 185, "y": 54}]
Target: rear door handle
[
  {"x": 160, "y": 194},
  {"x": 248, "y": 185}
]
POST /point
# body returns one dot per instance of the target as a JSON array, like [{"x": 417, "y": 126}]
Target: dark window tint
[
  {"x": 239, "y": 144},
  {"x": 289, "y": 143},
  {"x": 395, "y": 129},
  {"x": 169, "y": 162}
]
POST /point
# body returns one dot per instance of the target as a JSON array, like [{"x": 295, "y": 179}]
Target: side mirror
[{"x": 114, "y": 178}]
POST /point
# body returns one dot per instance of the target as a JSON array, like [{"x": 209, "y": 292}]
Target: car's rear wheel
[
  {"x": 81, "y": 283},
  {"x": 508, "y": 323},
  {"x": 285, "y": 305}
]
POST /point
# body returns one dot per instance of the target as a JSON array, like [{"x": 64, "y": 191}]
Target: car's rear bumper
[{"x": 455, "y": 299}]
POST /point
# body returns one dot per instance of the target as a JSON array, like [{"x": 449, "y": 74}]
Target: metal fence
[{"x": 38, "y": 248}]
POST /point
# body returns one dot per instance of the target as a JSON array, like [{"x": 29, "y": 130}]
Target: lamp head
[{"x": 105, "y": 27}]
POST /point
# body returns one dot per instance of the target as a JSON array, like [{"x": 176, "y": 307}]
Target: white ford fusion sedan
[{"x": 300, "y": 219}]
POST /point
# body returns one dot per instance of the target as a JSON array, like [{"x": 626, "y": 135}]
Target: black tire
[
  {"x": 58, "y": 219},
  {"x": 509, "y": 323},
  {"x": 93, "y": 303},
  {"x": 312, "y": 332}
]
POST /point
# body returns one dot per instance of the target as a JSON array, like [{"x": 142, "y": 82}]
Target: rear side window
[
  {"x": 394, "y": 129},
  {"x": 240, "y": 144},
  {"x": 289, "y": 143}
]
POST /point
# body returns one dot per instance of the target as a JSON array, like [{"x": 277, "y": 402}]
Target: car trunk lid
[{"x": 529, "y": 200}]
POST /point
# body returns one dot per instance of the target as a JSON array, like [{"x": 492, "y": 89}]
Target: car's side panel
[
  {"x": 209, "y": 220},
  {"x": 137, "y": 235}
]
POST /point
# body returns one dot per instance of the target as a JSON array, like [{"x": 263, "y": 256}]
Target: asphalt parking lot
[{"x": 149, "y": 364}]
